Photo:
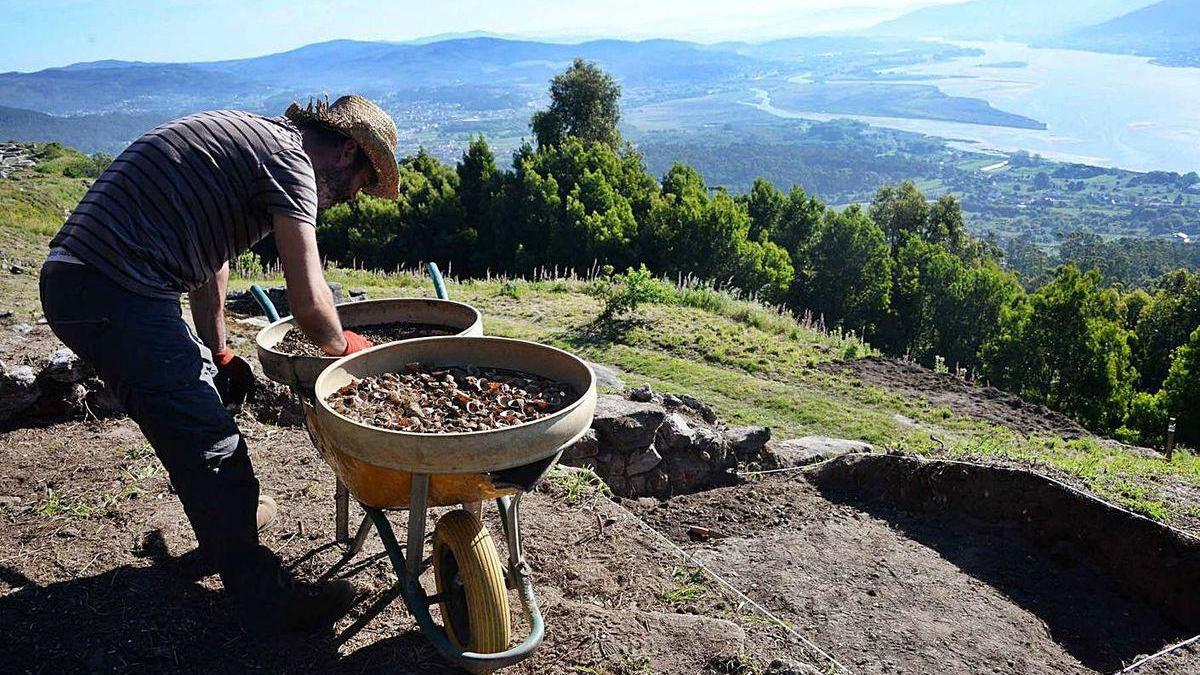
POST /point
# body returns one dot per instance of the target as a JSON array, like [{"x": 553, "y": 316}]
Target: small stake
[{"x": 1170, "y": 438}]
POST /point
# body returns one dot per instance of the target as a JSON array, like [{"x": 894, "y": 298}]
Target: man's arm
[
  {"x": 308, "y": 293},
  {"x": 208, "y": 310}
]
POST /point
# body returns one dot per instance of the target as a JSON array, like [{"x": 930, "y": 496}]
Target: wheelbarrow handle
[
  {"x": 439, "y": 286},
  {"x": 268, "y": 307}
]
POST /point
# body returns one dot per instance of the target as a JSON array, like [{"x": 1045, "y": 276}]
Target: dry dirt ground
[
  {"x": 95, "y": 574},
  {"x": 890, "y": 592},
  {"x": 97, "y": 578}
]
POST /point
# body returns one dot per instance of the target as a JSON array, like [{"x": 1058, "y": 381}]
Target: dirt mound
[
  {"x": 887, "y": 590},
  {"x": 945, "y": 390}
]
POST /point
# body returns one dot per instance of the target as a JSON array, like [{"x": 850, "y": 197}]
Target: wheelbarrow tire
[{"x": 467, "y": 568}]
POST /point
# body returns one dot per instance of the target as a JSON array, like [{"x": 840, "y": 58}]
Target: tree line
[{"x": 903, "y": 271}]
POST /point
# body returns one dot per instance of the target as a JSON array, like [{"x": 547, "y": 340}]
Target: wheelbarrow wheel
[{"x": 470, "y": 578}]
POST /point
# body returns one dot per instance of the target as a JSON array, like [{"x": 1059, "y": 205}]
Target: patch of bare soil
[
  {"x": 96, "y": 574},
  {"x": 945, "y": 390},
  {"x": 889, "y": 591}
]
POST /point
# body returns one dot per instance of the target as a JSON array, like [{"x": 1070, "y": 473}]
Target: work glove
[
  {"x": 355, "y": 343},
  {"x": 235, "y": 380}
]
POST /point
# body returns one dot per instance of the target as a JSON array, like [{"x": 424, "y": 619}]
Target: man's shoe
[
  {"x": 267, "y": 512},
  {"x": 270, "y": 600},
  {"x": 197, "y": 565},
  {"x": 315, "y": 605}
]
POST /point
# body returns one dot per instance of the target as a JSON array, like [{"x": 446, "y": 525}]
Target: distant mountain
[
  {"x": 105, "y": 131},
  {"x": 379, "y": 69},
  {"x": 383, "y": 65},
  {"x": 1168, "y": 30},
  {"x": 125, "y": 86},
  {"x": 1016, "y": 20},
  {"x": 442, "y": 91}
]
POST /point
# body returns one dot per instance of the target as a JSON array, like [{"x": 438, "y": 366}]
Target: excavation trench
[{"x": 898, "y": 564}]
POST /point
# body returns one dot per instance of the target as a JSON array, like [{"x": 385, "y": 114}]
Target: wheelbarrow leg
[
  {"x": 360, "y": 537},
  {"x": 341, "y": 518},
  {"x": 418, "y": 499}
]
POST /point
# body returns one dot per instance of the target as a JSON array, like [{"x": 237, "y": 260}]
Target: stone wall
[
  {"x": 62, "y": 385},
  {"x": 649, "y": 445}
]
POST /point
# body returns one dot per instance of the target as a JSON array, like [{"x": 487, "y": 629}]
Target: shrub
[
  {"x": 1147, "y": 420},
  {"x": 630, "y": 290},
  {"x": 247, "y": 266}
]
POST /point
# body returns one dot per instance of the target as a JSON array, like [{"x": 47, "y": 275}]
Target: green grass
[
  {"x": 689, "y": 586},
  {"x": 577, "y": 483}
]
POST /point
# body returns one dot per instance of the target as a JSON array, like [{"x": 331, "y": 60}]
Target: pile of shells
[
  {"x": 296, "y": 343},
  {"x": 435, "y": 400}
]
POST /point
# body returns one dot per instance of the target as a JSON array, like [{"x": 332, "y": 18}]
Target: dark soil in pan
[
  {"x": 296, "y": 343},
  {"x": 888, "y": 591},
  {"x": 430, "y": 399}
]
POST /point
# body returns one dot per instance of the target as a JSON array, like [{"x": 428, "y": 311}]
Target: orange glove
[
  {"x": 234, "y": 381},
  {"x": 355, "y": 342}
]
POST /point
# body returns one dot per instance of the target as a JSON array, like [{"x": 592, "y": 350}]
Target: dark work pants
[{"x": 163, "y": 375}]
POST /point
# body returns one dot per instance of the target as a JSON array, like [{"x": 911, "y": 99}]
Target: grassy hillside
[
  {"x": 755, "y": 365},
  {"x": 34, "y": 201}
]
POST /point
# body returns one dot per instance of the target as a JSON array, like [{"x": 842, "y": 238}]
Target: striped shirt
[{"x": 188, "y": 196}]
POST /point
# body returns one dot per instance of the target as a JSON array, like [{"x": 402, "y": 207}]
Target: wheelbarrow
[
  {"x": 397, "y": 470},
  {"x": 387, "y": 469},
  {"x": 300, "y": 372}
]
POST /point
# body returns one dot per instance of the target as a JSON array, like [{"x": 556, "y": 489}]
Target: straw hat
[{"x": 368, "y": 125}]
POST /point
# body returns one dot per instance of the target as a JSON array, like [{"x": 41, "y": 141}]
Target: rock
[
  {"x": 624, "y": 426},
  {"x": 5, "y": 314},
  {"x": 747, "y": 441},
  {"x": 703, "y": 409},
  {"x": 671, "y": 401},
  {"x": 584, "y": 449},
  {"x": 18, "y": 391},
  {"x": 606, "y": 378},
  {"x": 10, "y": 501},
  {"x": 22, "y": 328},
  {"x": 812, "y": 449},
  {"x": 675, "y": 432},
  {"x": 16, "y": 269},
  {"x": 358, "y": 294},
  {"x": 66, "y": 367},
  {"x": 642, "y": 394},
  {"x": 689, "y": 642},
  {"x": 779, "y": 667},
  {"x": 643, "y": 462}
]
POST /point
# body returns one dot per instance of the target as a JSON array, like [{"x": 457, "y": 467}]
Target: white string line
[
  {"x": 762, "y": 610},
  {"x": 802, "y": 467},
  {"x": 1137, "y": 664}
]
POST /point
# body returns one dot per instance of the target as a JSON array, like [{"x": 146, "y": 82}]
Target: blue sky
[{"x": 45, "y": 33}]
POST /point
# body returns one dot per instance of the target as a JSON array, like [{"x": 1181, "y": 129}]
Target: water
[{"x": 1102, "y": 109}]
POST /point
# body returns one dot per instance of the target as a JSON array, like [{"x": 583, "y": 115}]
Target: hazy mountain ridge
[
  {"x": 1168, "y": 30},
  {"x": 1015, "y": 20}
]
